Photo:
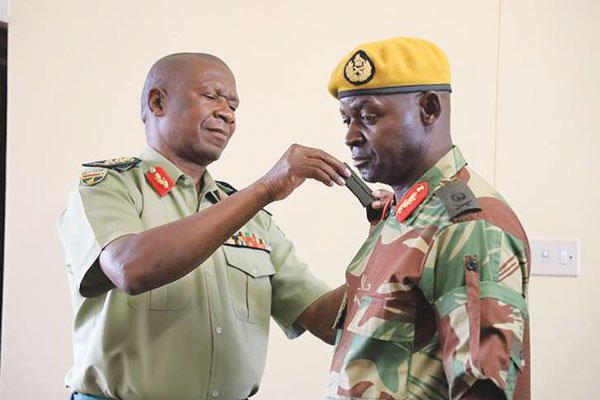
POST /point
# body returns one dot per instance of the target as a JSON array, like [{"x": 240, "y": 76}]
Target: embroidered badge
[
  {"x": 247, "y": 239},
  {"x": 160, "y": 180},
  {"x": 359, "y": 69},
  {"x": 90, "y": 178},
  {"x": 120, "y": 163},
  {"x": 411, "y": 200}
]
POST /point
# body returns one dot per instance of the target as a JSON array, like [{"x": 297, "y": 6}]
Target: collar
[
  {"x": 210, "y": 189},
  {"x": 443, "y": 170},
  {"x": 153, "y": 157}
]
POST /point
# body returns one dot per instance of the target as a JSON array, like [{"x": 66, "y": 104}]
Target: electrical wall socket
[{"x": 557, "y": 257}]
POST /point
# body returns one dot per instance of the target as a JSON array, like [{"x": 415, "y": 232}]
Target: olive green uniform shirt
[{"x": 203, "y": 336}]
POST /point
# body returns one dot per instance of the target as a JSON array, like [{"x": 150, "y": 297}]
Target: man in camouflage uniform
[{"x": 436, "y": 299}]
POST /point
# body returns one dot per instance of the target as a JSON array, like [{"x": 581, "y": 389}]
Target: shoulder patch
[
  {"x": 458, "y": 198},
  {"x": 227, "y": 188},
  {"x": 90, "y": 178},
  {"x": 120, "y": 164}
]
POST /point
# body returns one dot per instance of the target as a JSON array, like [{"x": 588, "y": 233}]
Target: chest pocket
[
  {"x": 249, "y": 274},
  {"x": 382, "y": 319},
  {"x": 172, "y": 297}
]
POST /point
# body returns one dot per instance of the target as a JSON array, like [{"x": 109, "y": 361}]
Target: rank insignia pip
[
  {"x": 411, "y": 200},
  {"x": 120, "y": 163},
  {"x": 359, "y": 69},
  {"x": 90, "y": 178},
  {"x": 160, "y": 180},
  {"x": 246, "y": 239}
]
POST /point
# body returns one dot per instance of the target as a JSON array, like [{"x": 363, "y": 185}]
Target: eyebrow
[
  {"x": 358, "y": 104},
  {"x": 219, "y": 89}
]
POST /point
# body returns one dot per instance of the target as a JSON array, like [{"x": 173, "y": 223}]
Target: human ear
[
  {"x": 156, "y": 99},
  {"x": 431, "y": 108}
]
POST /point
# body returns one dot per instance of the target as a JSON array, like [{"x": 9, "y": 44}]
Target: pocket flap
[
  {"x": 381, "y": 320},
  {"x": 253, "y": 262}
]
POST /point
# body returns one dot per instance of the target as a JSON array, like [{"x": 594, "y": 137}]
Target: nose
[
  {"x": 224, "y": 112},
  {"x": 354, "y": 136}
]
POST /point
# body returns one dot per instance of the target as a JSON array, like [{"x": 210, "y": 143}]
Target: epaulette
[
  {"x": 227, "y": 188},
  {"x": 120, "y": 164},
  {"x": 458, "y": 198}
]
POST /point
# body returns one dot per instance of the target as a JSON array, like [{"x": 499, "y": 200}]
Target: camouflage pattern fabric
[{"x": 434, "y": 304}]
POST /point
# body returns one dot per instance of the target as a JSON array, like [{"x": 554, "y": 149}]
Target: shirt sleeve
[
  {"x": 294, "y": 286},
  {"x": 94, "y": 217},
  {"x": 479, "y": 296}
]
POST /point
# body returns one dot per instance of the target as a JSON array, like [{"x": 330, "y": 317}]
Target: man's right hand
[{"x": 301, "y": 162}]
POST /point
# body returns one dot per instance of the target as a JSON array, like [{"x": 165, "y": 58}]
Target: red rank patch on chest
[
  {"x": 411, "y": 200},
  {"x": 160, "y": 180}
]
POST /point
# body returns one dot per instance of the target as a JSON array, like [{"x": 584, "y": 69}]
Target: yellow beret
[{"x": 397, "y": 65}]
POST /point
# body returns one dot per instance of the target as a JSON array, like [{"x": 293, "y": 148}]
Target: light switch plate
[{"x": 557, "y": 257}]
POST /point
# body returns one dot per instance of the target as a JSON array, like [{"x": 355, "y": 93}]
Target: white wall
[
  {"x": 4, "y": 10},
  {"x": 548, "y": 144},
  {"x": 523, "y": 119}
]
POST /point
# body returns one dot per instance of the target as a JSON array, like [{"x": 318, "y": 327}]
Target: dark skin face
[
  {"x": 395, "y": 138},
  {"x": 194, "y": 113}
]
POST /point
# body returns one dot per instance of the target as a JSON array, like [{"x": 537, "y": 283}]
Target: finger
[
  {"x": 336, "y": 164},
  {"x": 319, "y": 175},
  {"x": 382, "y": 194},
  {"x": 377, "y": 204},
  {"x": 318, "y": 164}
]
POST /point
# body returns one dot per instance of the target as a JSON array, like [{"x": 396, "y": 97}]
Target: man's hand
[
  {"x": 297, "y": 164},
  {"x": 376, "y": 209}
]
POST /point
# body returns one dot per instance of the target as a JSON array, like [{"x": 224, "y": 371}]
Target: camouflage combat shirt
[{"x": 439, "y": 300}]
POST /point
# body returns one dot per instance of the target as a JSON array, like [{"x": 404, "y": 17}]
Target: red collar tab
[
  {"x": 411, "y": 200},
  {"x": 386, "y": 208},
  {"x": 160, "y": 180}
]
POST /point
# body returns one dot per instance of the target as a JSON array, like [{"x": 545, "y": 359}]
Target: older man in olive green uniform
[
  {"x": 173, "y": 275},
  {"x": 437, "y": 295}
]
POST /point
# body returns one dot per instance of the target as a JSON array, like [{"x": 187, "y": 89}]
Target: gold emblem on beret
[
  {"x": 90, "y": 178},
  {"x": 359, "y": 69}
]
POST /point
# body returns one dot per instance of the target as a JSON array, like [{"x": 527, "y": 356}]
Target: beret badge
[{"x": 359, "y": 69}]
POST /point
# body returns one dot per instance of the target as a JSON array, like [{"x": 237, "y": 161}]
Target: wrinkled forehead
[{"x": 196, "y": 73}]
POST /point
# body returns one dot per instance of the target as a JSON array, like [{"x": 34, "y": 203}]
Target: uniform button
[
  {"x": 254, "y": 270},
  {"x": 186, "y": 182},
  {"x": 209, "y": 272},
  {"x": 219, "y": 330},
  {"x": 215, "y": 393}
]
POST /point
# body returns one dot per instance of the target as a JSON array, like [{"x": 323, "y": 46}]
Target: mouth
[
  {"x": 220, "y": 134},
  {"x": 360, "y": 161}
]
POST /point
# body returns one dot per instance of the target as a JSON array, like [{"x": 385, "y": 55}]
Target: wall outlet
[{"x": 557, "y": 257}]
